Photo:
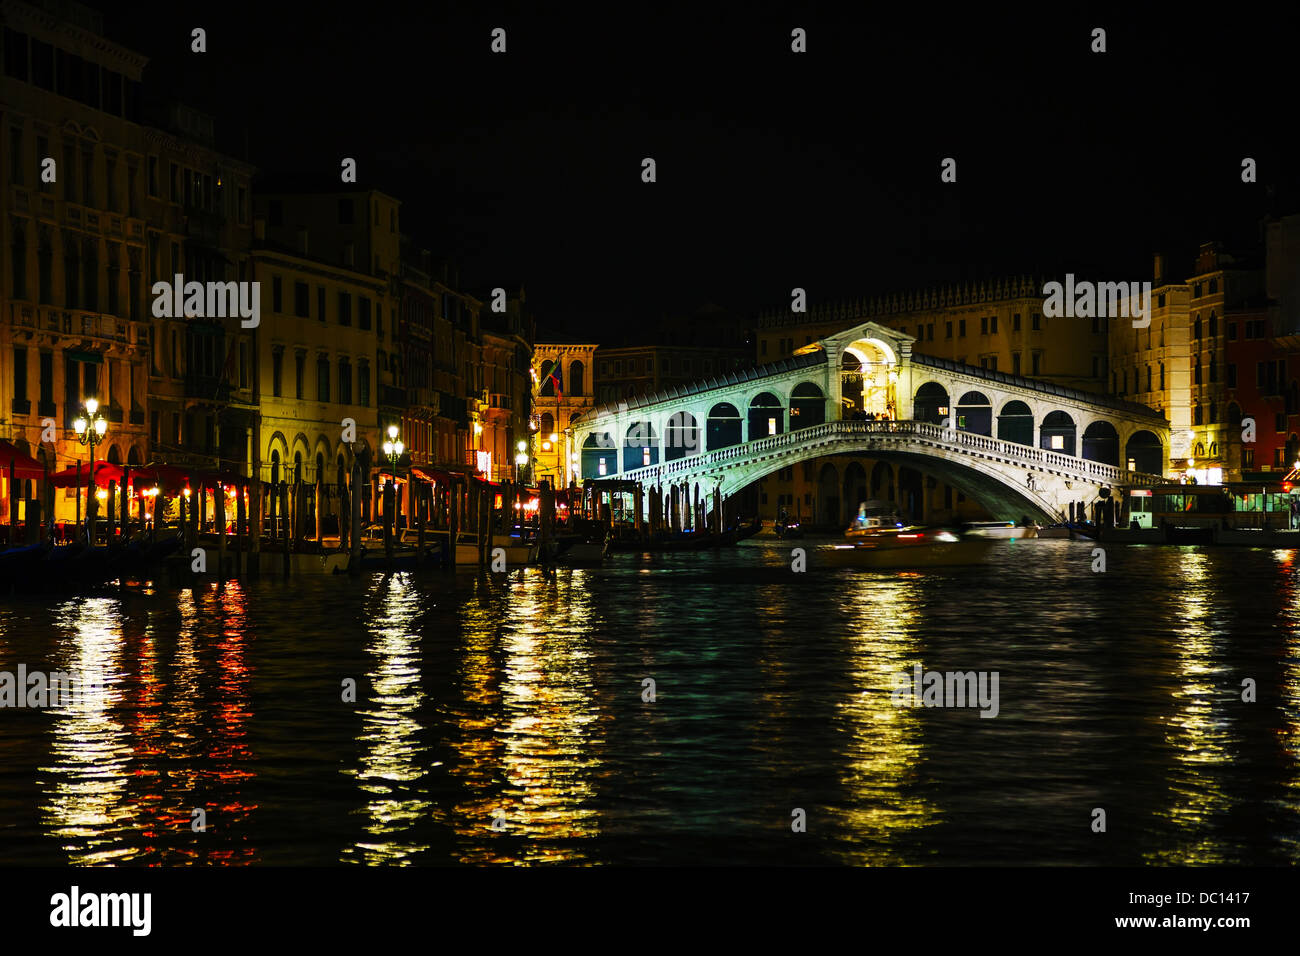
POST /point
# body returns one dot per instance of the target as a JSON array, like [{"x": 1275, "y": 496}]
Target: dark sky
[{"x": 775, "y": 170}]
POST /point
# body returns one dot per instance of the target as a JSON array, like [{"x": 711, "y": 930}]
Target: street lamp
[
  {"x": 90, "y": 429},
  {"x": 393, "y": 449},
  {"x": 521, "y": 459}
]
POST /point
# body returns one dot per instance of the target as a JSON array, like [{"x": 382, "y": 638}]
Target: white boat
[
  {"x": 1002, "y": 530},
  {"x": 519, "y": 553}
]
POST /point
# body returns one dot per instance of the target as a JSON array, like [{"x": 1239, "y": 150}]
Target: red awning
[
  {"x": 429, "y": 474},
  {"x": 104, "y": 473},
  {"x": 25, "y": 466},
  {"x": 168, "y": 478}
]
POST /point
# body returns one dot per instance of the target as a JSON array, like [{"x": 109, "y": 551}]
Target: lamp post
[
  {"x": 521, "y": 459},
  {"x": 393, "y": 449},
  {"x": 90, "y": 429}
]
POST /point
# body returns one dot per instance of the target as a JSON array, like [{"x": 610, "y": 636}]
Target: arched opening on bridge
[
  {"x": 931, "y": 403},
  {"x": 828, "y": 496},
  {"x": 722, "y": 427},
  {"x": 855, "y": 489},
  {"x": 766, "y": 416},
  {"x": 598, "y": 456},
  {"x": 807, "y": 406},
  {"x": 1057, "y": 433},
  {"x": 681, "y": 436},
  {"x": 882, "y": 481},
  {"x": 911, "y": 494},
  {"x": 640, "y": 446},
  {"x": 1016, "y": 423},
  {"x": 1101, "y": 443},
  {"x": 868, "y": 375},
  {"x": 551, "y": 375},
  {"x": 975, "y": 413}
]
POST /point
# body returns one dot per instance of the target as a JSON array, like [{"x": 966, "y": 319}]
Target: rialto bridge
[{"x": 1019, "y": 446}]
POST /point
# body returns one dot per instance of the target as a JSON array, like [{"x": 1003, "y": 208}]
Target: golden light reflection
[
  {"x": 86, "y": 804},
  {"x": 1200, "y": 742},
  {"x": 393, "y": 762},
  {"x": 885, "y": 742},
  {"x": 531, "y": 729}
]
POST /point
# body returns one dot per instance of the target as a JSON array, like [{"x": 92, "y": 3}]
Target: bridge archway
[
  {"x": 640, "y": 446},
  {"x": 828, "y": 495},
  {"x": 1145, "y": 453},
  {"x": 931, "y": 403},
  {"x": 723, "y": 427},
  {"x": 598, "y": 457},
  {"x": 807, "y": 406},
  {"x": 766, "y": 416},
  {"x": 1016, "y": 423},
  {"x": 1101, "y": 443},
  {"x": 1058, "y": 433},
  {"x": 882, "y": 481},
  {"x": 975, "y": 413},
  {"x": 855, "y": 489},
  {"x": 681, "y": 436},
  {"x": 868, "y": 373}
]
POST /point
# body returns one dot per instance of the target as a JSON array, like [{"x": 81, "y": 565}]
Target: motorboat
[
  {"x": 874, "y": 517},
  {"x": 910, "y": 546},
  {"x": 577, "y": 551},
  {"x": 788, "y": 527},
  {"x": 1000, "y": 530}
]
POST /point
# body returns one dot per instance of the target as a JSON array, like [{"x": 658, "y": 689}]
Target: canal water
[{"x": 505, "y": 721}]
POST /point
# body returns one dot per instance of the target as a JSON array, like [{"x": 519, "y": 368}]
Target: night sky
[{"x": 775, "y": 170}]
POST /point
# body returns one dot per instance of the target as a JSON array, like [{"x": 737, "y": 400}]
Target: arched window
[
  {"x": 1214, "y": 324},
  {"x": 1148, "y": 378},
  {"x": 576, "y": 372},
  {"x": 548, "y": 424},
  {"x": 1197, "y": 415},
  {"x": 1196, "y": 328}
]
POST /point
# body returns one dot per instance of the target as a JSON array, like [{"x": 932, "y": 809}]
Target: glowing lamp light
[
  {"x": 79, "y": 425},
  {"x": 478, "y": 429},
  {"x": 92, "y": 406},
  {"x": 546, "y": 446},
  {"x": 555, "y": 437},
  {"x": 521, "y": 459},
  {"x": 101, "y": 426},
  {"x": 102, "y": 494},
  {"x": 187, "y": 491},
  {"x": 522, "y": 446}
]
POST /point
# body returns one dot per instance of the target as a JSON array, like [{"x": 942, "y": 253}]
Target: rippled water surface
[{"x": 502, "y": 721}]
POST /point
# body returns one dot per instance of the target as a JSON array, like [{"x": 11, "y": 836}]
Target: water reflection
[
  {"x": 886, "y": 742},
  {"x": 529, "y": 741},
  {"x": 87, "y": 805},
  {"x": 393, "y": 761},
  {"x": 1199, "y": 739}
]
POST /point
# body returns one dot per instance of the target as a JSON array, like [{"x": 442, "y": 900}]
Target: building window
[
  {"x": 277, "y": 294},
  {"x": 323, "y": 379},
  {"x": 961, "y": 329},
  {"x": 1015, "y": 363},
  {"x": 1036, "y": 359},
  {"x": 301, "y": 300},
  {"x": 1247, "y": 458},
  {"x": 1214, "y": 325},
  {"x": 993, "y": 325},
  {"x": 345, "y": 381},
  {"x": 947, "y": 330},
  {"x": 345, "y": 308},
  {"x": 1214, "y": 286},
  {"x": 1230, "y": 371},
  {"x": 929, "y": 332},
  {"x": 1035, "y": 321},
  {"x": 1015, "y": 322},
  {"x": 1196, "y": 291},
  {"x": 363, "y": 384},
  {"x": 277, "y": 368},
  {"x": 300, "y": 374},
  {"x": 1232, "y": 331},
  {"x": 153, "y": 175},
  {"x": 363, "y": 313}
]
